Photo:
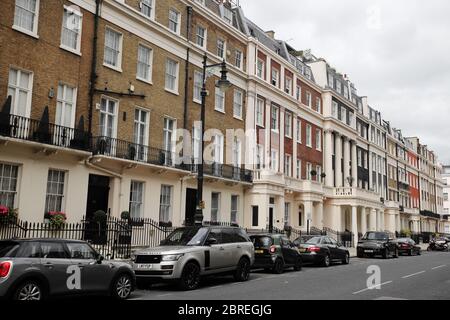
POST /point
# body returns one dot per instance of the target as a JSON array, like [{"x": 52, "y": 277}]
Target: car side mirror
[
  {"x": 100, "y": 259},
  {"x": 340, "y": 244},
  {"x": 211, "y": 241}
]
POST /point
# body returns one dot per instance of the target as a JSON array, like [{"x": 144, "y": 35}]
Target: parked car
[
  {"x": 408, "y": 246},
  {"x": 322, "y": 250},
  {"x": 192, "y": 252},
  {"x": 274, "y": 252},
  {"x": 377, "y": 244},
  {"x": 35, "y": 269}
]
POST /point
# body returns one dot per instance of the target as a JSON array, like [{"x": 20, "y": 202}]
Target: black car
[
  {"x": 408, "y": 246},
  {"x": 377, "y": 244},
  {"x": 275, "y": 253},
  {"x": 322, "y": 250}
]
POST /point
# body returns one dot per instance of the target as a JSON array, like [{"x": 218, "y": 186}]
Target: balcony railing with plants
[
  {"x": 42, "y": 131},
  {"x": 225, "y": 171}
]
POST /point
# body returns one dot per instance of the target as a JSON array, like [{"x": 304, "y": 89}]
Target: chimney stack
[{"x": 271, "y": 34}]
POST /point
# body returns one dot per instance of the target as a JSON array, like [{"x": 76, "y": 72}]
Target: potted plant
[
  {"x": 313, "y": 173},
  {"x": 99, "y": 216},
  {"x": 4, "y": 214},
  {"x": 125, "y": 215},
  {"x": 323, "y": 175},
  {"x": 57, "y": 219},
  {"x": 167, "y": 224}
]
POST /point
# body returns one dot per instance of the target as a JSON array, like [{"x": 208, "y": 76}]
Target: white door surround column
[
  {"x": 363, "y": 220},
  {"x": 319, "y": 215},
  {"x": 355, "y": 225},
  {"x": 328, "y": 151},
  {"x": 354, "y": 164},
  {"x": 346, "y": 161},
  {"x": 338, "y": 160},
  {"x": 373, "y": 220}
]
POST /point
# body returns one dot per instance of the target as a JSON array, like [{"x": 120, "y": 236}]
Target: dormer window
[{"x": 227, "y": 15}]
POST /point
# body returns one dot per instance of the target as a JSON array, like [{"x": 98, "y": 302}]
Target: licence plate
[
  {"x": 259, "y": 251},
  {"x": 368, "y": 251},
  {"x": 145, "y": 266}
]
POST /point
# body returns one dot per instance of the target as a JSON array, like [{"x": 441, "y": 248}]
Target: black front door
[
  {"x": 270, "y": 220},
  {"x": 98, "y": 195},
  {"x": 191, "y": 206}
]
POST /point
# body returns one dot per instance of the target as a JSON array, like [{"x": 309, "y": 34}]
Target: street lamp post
[{"x": 223, "y": 84}]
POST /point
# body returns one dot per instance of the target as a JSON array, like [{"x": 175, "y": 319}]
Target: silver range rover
[{"x": 192, "y": 252}]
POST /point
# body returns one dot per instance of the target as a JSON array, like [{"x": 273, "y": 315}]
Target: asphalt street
[{"x": 424, "y": 277}]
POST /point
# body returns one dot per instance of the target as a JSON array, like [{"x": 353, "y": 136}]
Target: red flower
[
  {"x": 4, "y": 211},
  {"x": 54, "y": 214}
]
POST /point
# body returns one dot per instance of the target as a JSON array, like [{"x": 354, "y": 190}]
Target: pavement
[{"x": 425, "y": 277}]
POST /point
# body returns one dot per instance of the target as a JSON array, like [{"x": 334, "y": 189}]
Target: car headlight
[{"x": 172, "y": 257}]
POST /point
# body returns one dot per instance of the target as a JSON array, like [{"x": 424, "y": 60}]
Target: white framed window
[
  {"x": 113, "y": 49},
  {"x": 8, "y": 184},
  {"x": 288, "y": 85},
  {"x": 260, "y": 107},
  {"x": 309, "y": 136},
  {"x": 201, "y": 37},
  {"x": 275, "y": 77},
  {"x": 136, "y": 199},
  {"x": 20, "y": 84},
  {"x": 287, "y": 213},
  {"x": 54, "y": 201},
  {"x": 299, "y": 131},
  {"x": 66, "y": 106},
  {"x": 147, "y": 8},
  {"x": 288, "y": 124},
  {"x": 308, "y": 99},
  {"x": 141, "y": 129},
  {"x": 259, "y": 156},
  {"x": 165, "y": 204},
  {"x": 168, "y": 140},
  {"x": 359, "y": 153},
  {"x": 26, "y": 16},
  {"x": 260, "y": 66},
  {"x": 237, "y": 146},
  {"x": 174, "y": 21},
  {"x": 221, "y": 48},
  {"x": 218, "y": 146},
  {"x": 215, "y": 206},
  {"x": 172, "y": 67},
  {"x": 319, "y": 173},
  {"x": 234, "y": 209},
  {"x": 318, "y": 139},
  {"x": 274, "y": 118},
  {"x": 220, "y": 100},
  {"x": 339, "y": 86},
  {"x": 274, "y": 160},
  {"x": 71, "y": 30},
  {"x": 318, "y": 105},
  {"x": 238, "y": 104},
  {"x": 288, "y": 165},
  {"x": 227, "y": 15},
  {"x": 238, "y": 59},
  {"x": 298, "y": 173},
  {"x": 108, "y": 117},
  {"x": 334, "y": 109},
  {"x": 144, "y": 63},
  {"x": 196, "y": 144},
  {"x": 299, "y": 93},
  {"x": 198, "y": 84},
  {"x": 308, "y": 171}
]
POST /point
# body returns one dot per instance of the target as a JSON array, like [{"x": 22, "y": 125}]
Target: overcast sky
[{"x": 396, "y": 52}]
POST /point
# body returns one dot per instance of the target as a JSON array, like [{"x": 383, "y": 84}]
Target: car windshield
[
  {"x": 376, "y": 236},
  {"x": 186, "y": 237},
  {"x": 315, "y": 240},
  {"x": 6, "y": 247},
  {"x": 262, "y": 242}
]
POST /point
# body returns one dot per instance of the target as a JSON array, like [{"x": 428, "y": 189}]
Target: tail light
[
  {"x": 313, "y": 249},
  {"x": 5, "y": 268},
  {"x": 273, "y": 249},
  {"x": 405, "y": 246}
]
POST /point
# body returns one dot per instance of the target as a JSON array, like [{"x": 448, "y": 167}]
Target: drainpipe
[
  {"x": 186, "y": 69},
  {"x": 93, "y": 78}
]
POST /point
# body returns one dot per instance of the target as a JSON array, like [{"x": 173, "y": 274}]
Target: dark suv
[
  {"x": 36, "y": 269},
  {"x": 274, "y": 252},
  {"x": 377, "y": 244}
]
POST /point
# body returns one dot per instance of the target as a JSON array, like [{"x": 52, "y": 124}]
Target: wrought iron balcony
[
  {"x": 225, "y": 171},
  {"x": 42, "y": 131}
]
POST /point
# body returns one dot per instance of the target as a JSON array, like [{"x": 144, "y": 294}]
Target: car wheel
[
  {"x": 278, "y": 268},
  {"x": 29, "y": 290},
  {"x": 360, "y": 255},
  {"x": 243, "y": 270},
  {"x": 298, "y": 265},
  {"x": 190, "y": 278},
  {"x": 346, "y": 260},
  {"x": 122, "y": 287},
  {"x": 326, "y": 261},
  {"x": 429, "y": 249}
]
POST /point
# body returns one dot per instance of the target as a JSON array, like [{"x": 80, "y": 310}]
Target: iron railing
[{"x": 22, "y": 128}]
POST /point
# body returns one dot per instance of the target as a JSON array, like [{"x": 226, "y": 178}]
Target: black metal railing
[
  {"x": 22, "y": 128},
  {"x": 345, "y": 237},
  {"x": 226, "y": 171}
]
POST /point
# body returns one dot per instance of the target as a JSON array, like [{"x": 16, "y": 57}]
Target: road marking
[
  {"x": 439, "y": 267},
  {"x": 164, "y": 295},
  {"x": 372, "y": 288},
  {"x": 414, "y": 274}
]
